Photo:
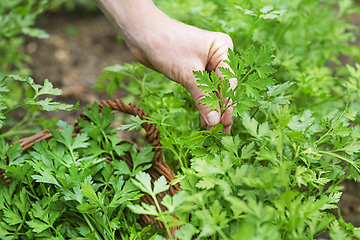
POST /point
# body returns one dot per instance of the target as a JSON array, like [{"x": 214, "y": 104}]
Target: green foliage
[
  {"x": 71, "y": 6},
  {"x": 279, "y": 172},
  {"x": 169, "y": 105},
  {"x": 251, "y": 71},
  {"x": 32, "y": 103},
  {"x": 16, "y": 19},
  {"x": 308, "y": 38},
  {"x": 295, "y": 139},
  {"x": 274, "y": 180},
  {"x": 60, "y": 190}
]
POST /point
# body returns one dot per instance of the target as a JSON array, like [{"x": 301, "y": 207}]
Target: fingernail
[{"x": 212, "y": 118}]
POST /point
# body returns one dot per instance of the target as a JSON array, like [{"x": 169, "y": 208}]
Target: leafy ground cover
[
  {"x": 277, "y": 176},
  {"x": 61, "y": 190}
]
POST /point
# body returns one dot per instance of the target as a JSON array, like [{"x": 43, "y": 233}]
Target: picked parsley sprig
[{"x": 251, "y": 69}]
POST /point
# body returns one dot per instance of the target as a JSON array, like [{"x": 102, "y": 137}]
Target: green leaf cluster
[
  {"x": 168, "y": 104},
  {"x": 251, "y": 71},
  {"x": 308, "y": 38},
  {"x": 274, "y": 180},
  {"x": 278, "y": 174},
  {"x": 62, "y": 190},
  {"x": 16, "y": 19},
  {"x": 36, "y": 99}
]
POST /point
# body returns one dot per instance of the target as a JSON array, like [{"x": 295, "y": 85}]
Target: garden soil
[
  {"x": 79, "y": 47},
  {"x": 73, "y": 57}
]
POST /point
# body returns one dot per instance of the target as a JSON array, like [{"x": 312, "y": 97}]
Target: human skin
[{"x": 172, "y": 48}]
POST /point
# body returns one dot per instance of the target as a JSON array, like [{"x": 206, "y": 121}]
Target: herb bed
[
  {"x": 295, "y": 138},
  {"x": 58, "y": 178}
]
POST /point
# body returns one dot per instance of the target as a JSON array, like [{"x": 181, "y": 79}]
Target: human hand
[{"x": 173, "y": 48}]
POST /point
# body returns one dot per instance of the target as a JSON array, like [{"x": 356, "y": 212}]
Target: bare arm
[{"x": 171, "y": 47}]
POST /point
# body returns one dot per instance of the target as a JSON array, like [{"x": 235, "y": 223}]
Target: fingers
[
  {"x": 217, "y": 55},
  {"x": 208, "y": 118},
  {"x": 227, "y": 118},
  {"x": 218, "y": 52}
]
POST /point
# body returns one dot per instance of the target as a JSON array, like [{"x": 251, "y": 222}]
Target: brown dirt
[
  {"x": 350, "y": 202},
  {"x": 80, "y": 46},
  {"x": 74, "y": 56}
]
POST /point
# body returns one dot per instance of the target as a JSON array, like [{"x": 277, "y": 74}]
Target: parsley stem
[
  {"x": 110, "y": 230},
  {"x": 336, "y": 123},
  {"x": 222, "y": 234},
  {"x": 340, "y": 157},
  {"x": 161, "y": 214},
  {"x": 173, "y": 150},
  {"x": 341, "y": 179},
  {"x": 20, "y": 226},
  {"x": 246, "y": 75},
  {"x": 225, "y": 106},
  {"x": 14, "y": 108},
  {"x": 19, "y": 132},
  {"x": 22, "y": 121},
  {"x": 255, "y": 112},
  {"x": 112, "y": 155},
  {"x": 91, "y": 226},
  {"x": 72, "y": 156},
  {"x": 33, "y": 193}
]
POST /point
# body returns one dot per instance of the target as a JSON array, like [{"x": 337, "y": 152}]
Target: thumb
[{"x": 208, "y": 118}]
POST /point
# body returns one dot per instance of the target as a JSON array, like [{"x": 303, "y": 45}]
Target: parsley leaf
[
  {"x": 251, "y": 70},
  {"x": 64, "y": 136}
]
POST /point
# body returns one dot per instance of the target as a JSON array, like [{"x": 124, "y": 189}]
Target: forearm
[{"x": 131, "y": 17}]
